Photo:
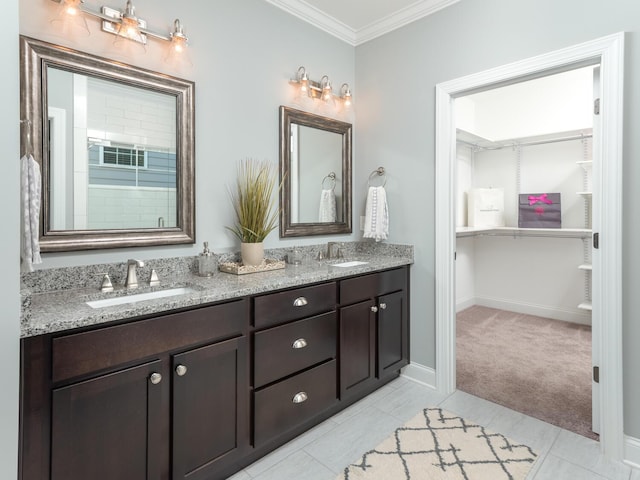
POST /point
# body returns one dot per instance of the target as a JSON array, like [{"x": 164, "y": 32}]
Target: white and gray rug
[{"x": 438, "y": 445}]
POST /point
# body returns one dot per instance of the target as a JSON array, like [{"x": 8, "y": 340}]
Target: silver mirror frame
[
  {"x": 287, "y": 228},
  {"x": 35, "y": 57}
]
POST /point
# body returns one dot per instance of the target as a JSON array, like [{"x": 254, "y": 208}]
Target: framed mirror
[
  {"x": 315, "y": 164},
  {"x": 115, "y": 144}
]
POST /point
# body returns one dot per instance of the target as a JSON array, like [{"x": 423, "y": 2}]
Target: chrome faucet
[
  {"x": 330, "y": 246},
  {"x": 132, "y": 278}
]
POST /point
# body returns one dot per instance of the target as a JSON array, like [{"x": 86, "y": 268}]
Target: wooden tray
[{"x": 240, "y": 269}]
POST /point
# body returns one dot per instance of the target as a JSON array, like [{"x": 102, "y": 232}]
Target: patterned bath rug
[{"x": 438, "y": 445}]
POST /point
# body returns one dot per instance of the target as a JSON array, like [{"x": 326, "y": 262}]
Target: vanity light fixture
[
  {"x": 345, "y": 94},
  {"x": 325, "y": 85},
  {"x": 321, "y": 90},
  {"x": 125, "y": 23},
  {"x": 303, "y": 80}
]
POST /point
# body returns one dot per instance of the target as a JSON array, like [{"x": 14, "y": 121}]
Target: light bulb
[{"x": 70, "y": 17}]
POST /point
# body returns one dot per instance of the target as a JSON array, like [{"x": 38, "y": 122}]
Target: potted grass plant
[{"x": 255, "y": 209}]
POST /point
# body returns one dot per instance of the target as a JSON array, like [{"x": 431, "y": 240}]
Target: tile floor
[{"x": 322, "y": 452}]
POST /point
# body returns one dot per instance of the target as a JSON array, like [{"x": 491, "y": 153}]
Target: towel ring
[
  {"x": 378, "y": 172},
  {"x": 332, "y": 178}
]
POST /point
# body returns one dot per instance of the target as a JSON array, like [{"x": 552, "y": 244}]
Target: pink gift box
[{"x": 539, "y": 210}]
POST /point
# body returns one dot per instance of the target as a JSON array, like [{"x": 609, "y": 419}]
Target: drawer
[
  {"x": 294, "y": 304},
  {"x": 283, "y": 350},
  {"x": 275, "y": 408},
  {"x": 103, "y": 348},
  {"x": 356, "y": 289}
]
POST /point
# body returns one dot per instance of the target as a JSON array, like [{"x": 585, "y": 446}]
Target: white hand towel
[
  {"x": 376, "y": 221},
  {"x": 30, "y": 184},
  {"x": 327, "y": 206}
]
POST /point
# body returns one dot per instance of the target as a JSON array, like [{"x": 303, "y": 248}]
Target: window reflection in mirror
[{"x": 112, "y": 154}]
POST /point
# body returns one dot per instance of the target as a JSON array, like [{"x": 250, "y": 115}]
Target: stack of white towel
[
  {"x": 327, "y": 212},
  {"x": 376, "y": 221},
  {"x": 30, "y": 184}
]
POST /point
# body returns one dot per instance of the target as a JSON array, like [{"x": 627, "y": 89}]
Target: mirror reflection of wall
[
  {"x": 315, "y": 153},
  {"x": 112, "y": 154}
]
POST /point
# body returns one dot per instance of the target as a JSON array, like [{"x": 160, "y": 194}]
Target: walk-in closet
[{"x": 524, "y": 242}]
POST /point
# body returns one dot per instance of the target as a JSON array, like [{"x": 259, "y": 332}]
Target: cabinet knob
[
  {"x": 383, "y": 306},
  {"x": 299, "y": 343},
  {"x": 300, "y": 397},
  {"x": 374, "y": 309},
  {"x": 300, "y": 302},
  {"x": 155, "y": 378},
  {"x": 181, "y": 370}
]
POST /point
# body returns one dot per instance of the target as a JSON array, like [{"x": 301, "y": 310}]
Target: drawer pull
[
  {"x": 155, "y": 378},
  {"x": 300, "y": 397},
  {"x": 181, "y": 370},
  {"x": 374, "y": 309},
  {"x": 383, "y": 306},
  {"x": 299, "y": 343},
  {"x": 300, "y": 302}
]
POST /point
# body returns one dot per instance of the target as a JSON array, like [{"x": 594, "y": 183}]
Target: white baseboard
[
  {"x": 538, "y": 310},
  {"x": 632, "y": 451},
  {"x": 420, "y": 374},
  {"x": 464, "y": 304}
]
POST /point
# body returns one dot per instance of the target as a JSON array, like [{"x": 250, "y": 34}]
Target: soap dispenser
[{"x": 206, "y": 262}]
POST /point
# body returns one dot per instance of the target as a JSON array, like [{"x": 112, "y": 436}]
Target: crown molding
[
  {"x": 329, "y": 24},
  {"x": 318, "y": 18},
  {"x": 401, "y": 18}
]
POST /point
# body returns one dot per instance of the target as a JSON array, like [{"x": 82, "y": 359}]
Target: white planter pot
[{"x": 252, "y": 254}]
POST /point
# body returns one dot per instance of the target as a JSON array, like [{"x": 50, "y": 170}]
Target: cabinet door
[
  {"x": 357, "y": 347},
  {"x": 393, "y": 348},
  {"x": 109, "y": 427},
  {"x": 210, "y": 408}
]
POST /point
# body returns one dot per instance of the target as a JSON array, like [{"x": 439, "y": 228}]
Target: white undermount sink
[
  {"x": 353, "y": 263},
  {"x": 139, "y": 297}
]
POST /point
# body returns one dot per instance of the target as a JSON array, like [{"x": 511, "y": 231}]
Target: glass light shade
[
  {"x": 128, "y": 28},
  {"x": 347, "y": 99},
  {"x": 178, "y": 44},
  {"x": 326, "y": 91},
  {"x": 70, "y": 18},
  {"x": 304, "y": 85}
]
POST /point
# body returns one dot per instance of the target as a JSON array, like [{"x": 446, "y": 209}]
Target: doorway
[
  {"x": 607, "y": 219},
  {"x": 523, "y": 295}
]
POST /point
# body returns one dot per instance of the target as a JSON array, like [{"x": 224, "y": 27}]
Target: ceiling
[{"x": 358, "y": 21}]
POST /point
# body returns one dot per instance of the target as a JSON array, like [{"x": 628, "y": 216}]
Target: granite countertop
[{"x": 55, "y": 311}]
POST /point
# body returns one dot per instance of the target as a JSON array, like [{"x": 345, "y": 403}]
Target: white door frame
[{"x": 607, "y": 286}]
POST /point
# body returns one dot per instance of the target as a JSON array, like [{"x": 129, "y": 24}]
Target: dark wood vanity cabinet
[
  {"x": 294, "y": 362},
  {"x": 108, "y": 427},
  {"x": 161, "y": 398},
  {"x": 210, "y": 421},
  {"x": 374, "y": 329},
  {"x": 198, "y": 394}
]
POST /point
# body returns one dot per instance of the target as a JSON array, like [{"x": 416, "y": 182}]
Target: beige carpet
[
  {"x": 438, "y": 445},
  {"x": 536, "y": 366}
]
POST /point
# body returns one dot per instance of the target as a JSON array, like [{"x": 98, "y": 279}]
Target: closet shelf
[
  {"x": 585, "y": 266},
  {"x": 585, "y": 194},
  {"x": 585, "y": 163},
  {"x": 523, "y": 232},
  {"x": 481, "y": 143},
  {"x": 586, "y": 306}
]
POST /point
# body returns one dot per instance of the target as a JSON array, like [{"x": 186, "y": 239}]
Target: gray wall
[
  {"x": 396, "y": 114},
  {"x": 243, "y": 54},
  {"x": 9, "y": 217}
]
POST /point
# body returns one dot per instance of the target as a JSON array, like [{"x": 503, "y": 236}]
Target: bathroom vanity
[{"x": 203, "y": 386}]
